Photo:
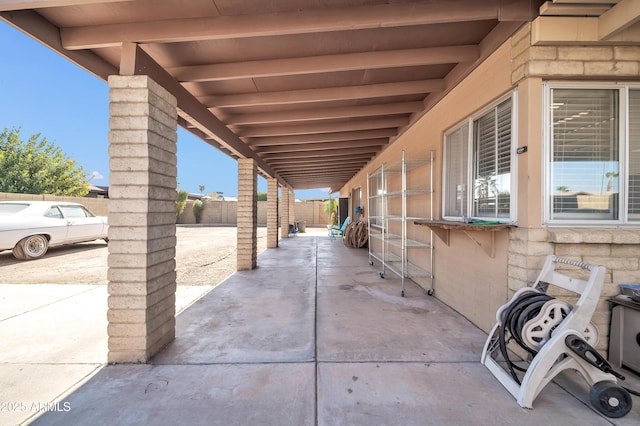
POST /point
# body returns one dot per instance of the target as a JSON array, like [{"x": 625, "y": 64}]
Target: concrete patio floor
[{"x": 314, "y": 336}]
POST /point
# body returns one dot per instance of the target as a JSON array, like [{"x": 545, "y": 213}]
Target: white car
[{"x": 29, "y": 228}]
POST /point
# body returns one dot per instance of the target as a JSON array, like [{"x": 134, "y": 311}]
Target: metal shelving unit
[{"x": 389, "y": 220}]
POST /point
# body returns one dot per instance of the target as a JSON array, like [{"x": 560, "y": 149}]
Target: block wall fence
[{"x": 214, "y": 213}]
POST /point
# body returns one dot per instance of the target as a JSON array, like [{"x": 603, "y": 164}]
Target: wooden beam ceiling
[
  {"x": 327, "y": 63},
  {"x": 312, "y": 91},
  {"x": 287, "y": 23}
]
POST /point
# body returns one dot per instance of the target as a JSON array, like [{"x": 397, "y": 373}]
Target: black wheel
[
  {"x": 381, "y": 274},
  {"x": 430, "y": 292},
  {"x": 371, "y": 262},
  {"x": 610, "y": 399},
  {"x": 31, "y": 247},
  {"x": 402, "y": 293},
  {"x": 18, "y": 253}
]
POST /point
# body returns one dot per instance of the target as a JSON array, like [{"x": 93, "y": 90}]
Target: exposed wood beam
[
  {"x": 618, "y": 18},
  {"x": 313, "y": 176},
  {"x": 586, "y": 1},
  {"x": 31, "y": 4},
  {"x": 322, "y": 146},
  {"x": 317, "y": 174},
  {"x": 324, "y": 113},
  {"x": 557, "y": 29},
  {"x": 333, "y": 170},
  {"x": 328, "y": 127},
  {"x": 321, "y": 137},
  {"x": 280, "y": 164},
  {"x": 227, "y": 27},
  {"x": 322, "y": 153},
  {"x": 326, "y": 63},
  {"x": 136, "y": 62},
  {"x": 550, "y": 30},
  {"x": 310, "y": 160},
  {"x": 555, "y": 9},
  {"x": 321, "y": 167},
  {"x": 325, "y": 94}
]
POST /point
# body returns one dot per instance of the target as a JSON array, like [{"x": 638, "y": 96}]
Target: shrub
[{"x": 197, "y": 207}]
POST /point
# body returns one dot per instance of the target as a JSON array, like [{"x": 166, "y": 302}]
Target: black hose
[
  {"x": 523, "y": 309},
  {"x": 526, "y": 307}
]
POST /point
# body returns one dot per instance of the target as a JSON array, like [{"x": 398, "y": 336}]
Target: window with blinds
[
  {"x": 456, "y": 158},
  {"x": 477, "y": 165},
  {"x": 492, "y": 162},
  {"x": 588, "y": 148},
  {"x": 634, "y": 155}
]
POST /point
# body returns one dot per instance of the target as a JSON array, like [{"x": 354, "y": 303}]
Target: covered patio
[
  {"x": 311, "y": 94},
  {"x": 315, "y": 336}
]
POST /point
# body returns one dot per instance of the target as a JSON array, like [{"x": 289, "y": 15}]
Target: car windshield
[{"x": 11, "y": 208}]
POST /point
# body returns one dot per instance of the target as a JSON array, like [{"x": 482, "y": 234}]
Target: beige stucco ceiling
[{"x": 312, "y": 89}]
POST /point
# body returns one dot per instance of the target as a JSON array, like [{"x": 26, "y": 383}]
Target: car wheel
[
  {"x": 31, "y": 247},
  {"x": 18, "y": 253}
]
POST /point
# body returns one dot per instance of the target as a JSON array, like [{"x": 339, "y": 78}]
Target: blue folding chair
[{"x": 335, "y": 232}]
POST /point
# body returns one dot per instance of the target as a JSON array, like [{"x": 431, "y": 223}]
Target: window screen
[{"x": 456, "y": 161}]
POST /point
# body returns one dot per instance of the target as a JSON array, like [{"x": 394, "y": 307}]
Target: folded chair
[{"x": 334, "y": 231}]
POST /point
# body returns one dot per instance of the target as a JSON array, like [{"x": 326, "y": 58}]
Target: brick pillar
[
  {"x": 284, "y": 213},
  {"x": 142, "y": 218},
  {"x": 272, "y": 213},
  {"x": 292, "y": 207},
  {"x": 247, "y": 214}
]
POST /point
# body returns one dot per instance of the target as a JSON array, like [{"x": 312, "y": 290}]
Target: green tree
[
  {"x": 331, "y": 209},
  {"x": 197, "y": 207},
  {"x": 38, "y": 167},
  {"x": 181, "y": 201},
  {"x": 262, "y": 196}
]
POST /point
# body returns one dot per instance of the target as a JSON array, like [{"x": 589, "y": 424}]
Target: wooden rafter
[
  {"x": 227, "y": 27},
  {"x": 325, "y": 94}
]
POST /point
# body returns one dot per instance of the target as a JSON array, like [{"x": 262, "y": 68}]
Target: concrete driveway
[{"x": 53, "y": 313}]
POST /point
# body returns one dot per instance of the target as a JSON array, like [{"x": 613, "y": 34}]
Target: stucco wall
[{"x": 466, "y": 278}]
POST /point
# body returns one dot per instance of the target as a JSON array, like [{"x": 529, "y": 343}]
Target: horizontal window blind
[
  {"x": 634, "y": 155},
  {"x": 585, "y": 157},
  {"x": 492, "y": 165}
]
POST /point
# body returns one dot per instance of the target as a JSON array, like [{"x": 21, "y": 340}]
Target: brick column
[
  {"x": 247, "y": 214},
  {"x": 272, "y": 213},
  {"x": 292, "y": 207},
  {"x": 284, "y": 213},
  {"x": 142, "y": 218}
]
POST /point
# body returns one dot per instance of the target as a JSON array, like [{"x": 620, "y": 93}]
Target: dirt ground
[{"x": 204, "y": 256}]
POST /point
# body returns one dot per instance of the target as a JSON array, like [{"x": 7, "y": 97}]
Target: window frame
[
  {"x": 623, "y": 146},
  {"x": 469, "y": 122}
]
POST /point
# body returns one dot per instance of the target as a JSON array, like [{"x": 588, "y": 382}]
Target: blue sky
[{"x": 41, "y": 92}]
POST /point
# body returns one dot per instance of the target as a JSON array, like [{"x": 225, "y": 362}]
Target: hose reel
[
  {"x": 530, "y": 320},
  {"x": 557, "y": 337}
]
